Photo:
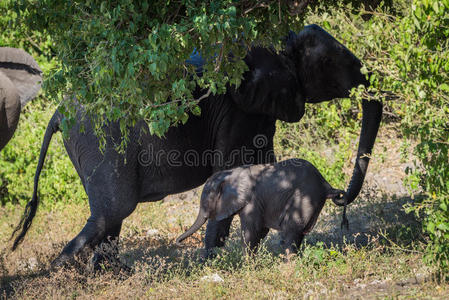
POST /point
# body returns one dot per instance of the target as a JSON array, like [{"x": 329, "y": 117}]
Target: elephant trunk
[
  {"x": 372, "y": 115},
  {"x": 200, "y": 220},
  {"x": 339, "y": 198}
]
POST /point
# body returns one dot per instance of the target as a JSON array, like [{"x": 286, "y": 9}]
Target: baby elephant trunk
[
  {"x": 339, "y": 197},
  {"x": 200, "y": 220}
]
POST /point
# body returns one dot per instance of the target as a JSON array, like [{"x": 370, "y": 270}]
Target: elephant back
[{"x": 23, "y": 71}]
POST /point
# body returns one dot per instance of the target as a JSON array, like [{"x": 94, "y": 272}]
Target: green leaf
[
  {"x": 443, "y": 226},
  {"x": 196, "y": 110},
  {"x": 443, "y": 206},
  {"x": 327, "y": 25},
  {"x": 184, "y": 117},
  {"x": 431, "y": 227},
  {"x": 444, "y": 87},
  {"x": 153, "y": 68},
  {"x": 436, "y": 6}
]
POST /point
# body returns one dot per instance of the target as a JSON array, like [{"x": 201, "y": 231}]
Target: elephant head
[
  {"x": 20, "y": 81},
  {"x": 224, "y": 194},
  {"x": 314, "y": 67}
]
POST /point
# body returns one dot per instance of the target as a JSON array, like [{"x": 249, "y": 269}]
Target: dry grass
[
  {"x": 384, "y": 263},
  {"x": 379, "y": 257},
  {"x": 163, "y": 271}
]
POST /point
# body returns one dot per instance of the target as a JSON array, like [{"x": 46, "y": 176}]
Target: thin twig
[
  {"x": 173, "y": 17},
  {"x": 387, "y": 113},
  {"x": 279, "y": 12},
  {"x": 220, "y": 58},
  {"x": 258, "y": 5},
  {"x": 396, "y": 246},
  {"x": 207, "y": 94},
  {"x": 34, "y": 44}
]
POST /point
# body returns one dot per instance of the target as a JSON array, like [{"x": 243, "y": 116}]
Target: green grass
[{"x": 59, "y": 183}]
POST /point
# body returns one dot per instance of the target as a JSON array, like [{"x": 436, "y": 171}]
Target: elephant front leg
[
  {"x": 252, "y": 237},
  {"x": 216, "y": 233},
  {"x": 293, "y": 240},
  {"x": 107, "y": 252}
]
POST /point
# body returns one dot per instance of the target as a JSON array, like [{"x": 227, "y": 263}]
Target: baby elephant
[{"x": 287, "y": 196}]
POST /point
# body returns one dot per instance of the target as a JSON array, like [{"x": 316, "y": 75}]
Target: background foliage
[
  {"x": 126, "y": 60},
  {"x": 423, "y": 57},
  {"x": 59, "y": 182},
  {"x": 404, "y": 42}
]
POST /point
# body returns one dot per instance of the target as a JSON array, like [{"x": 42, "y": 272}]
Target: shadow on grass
[
  {"x": 386, "y": 221},
  {"x": 383, "y": 220},
  {"x": 158, "y": 258},
  {"x": 9, "y": 284}
]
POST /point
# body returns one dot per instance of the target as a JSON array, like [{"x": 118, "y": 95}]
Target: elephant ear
[
  {"x": 23, "y": 71},
  {"x": 270, "y": 86},
  {"x": 227, "y": 201}
]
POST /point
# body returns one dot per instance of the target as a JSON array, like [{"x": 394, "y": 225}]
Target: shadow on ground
[
  {"x": 368, "y": 219},
  {"x": 372, "y": 217}
]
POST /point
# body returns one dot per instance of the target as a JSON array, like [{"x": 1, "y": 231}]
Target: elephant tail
[
  {"x": 200, "y": 220},
  {"x": 31, "y": 207}
]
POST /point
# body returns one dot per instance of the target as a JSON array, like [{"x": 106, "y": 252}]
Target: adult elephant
[
  {"x": 234, "y": 129},
  {"x": 20, "y": 81}
]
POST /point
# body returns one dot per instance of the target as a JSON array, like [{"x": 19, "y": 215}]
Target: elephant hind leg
[
  {"x": 253, "y": 231},
  {"x": 90, "y": 236},
  {"x": 252, "y": 238}
]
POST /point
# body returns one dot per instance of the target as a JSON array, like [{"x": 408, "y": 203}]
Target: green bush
[
  {"x": 424, "y": 64},
  {"x": 125, "y": 59},
  {"x": 58, "y": 182},
  {"x": 410, "y": 55}
]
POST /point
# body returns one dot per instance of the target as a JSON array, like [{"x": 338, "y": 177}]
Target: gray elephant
[
  {"x": 287, "y": 196},
  {"x": 20, "y": 81},
  {"x": 234, "y": 129}
]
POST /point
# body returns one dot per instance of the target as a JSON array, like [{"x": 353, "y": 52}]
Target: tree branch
[
  {"x": 207, "y": 94},
  {"x": 258, "y": 5}
]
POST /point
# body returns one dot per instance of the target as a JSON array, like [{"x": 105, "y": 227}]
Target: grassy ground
[{"x": 379, "y": 257}]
